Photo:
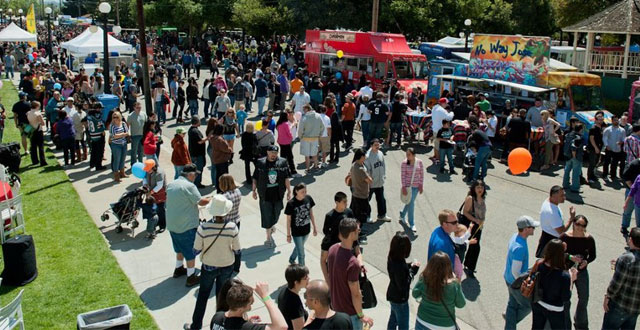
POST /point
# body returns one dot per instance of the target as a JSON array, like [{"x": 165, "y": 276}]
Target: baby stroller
[
  {"x": 469, "y": 161},
  {"x": 126, "y": 209}
]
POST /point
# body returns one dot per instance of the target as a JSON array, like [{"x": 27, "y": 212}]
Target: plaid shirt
[
  {"x": 234, "y": 196},
  {"x": 624, "y": 288},
  {"x": 632, "y": 147}
]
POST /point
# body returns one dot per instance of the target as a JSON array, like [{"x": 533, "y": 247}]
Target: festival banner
[
  {"x": 518, "y": 59},
  {"x": 31, "y": 25}
]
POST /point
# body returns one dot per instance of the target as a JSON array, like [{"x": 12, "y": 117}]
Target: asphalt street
[{"x": 508, "y": 197}]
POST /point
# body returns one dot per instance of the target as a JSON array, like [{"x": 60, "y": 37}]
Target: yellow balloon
[
  {"x": 340, "y": 54},
  {"x": 259, "y": 125}
]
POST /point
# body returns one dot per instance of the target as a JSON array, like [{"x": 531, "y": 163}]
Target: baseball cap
[
  {"x": 70, "y": 99},
  {"x": 190, "y": 168},
  {"x": 149, "y": 164},
  {"x": 22, "y": 94},
  {"x": 443, "y": 100},
  {"x": 273, "y": 148},
  {"x": 526, "y": 221},
  {"x": 180, "y": 130}
]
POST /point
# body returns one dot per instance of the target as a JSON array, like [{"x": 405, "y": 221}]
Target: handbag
[
  {"x": 462, "y": 219},
  {"x": 369, "y": 299},
  {"x": 406, "y": 198},
  {"x": 455, "y": 323},
  {"x": 530, "y": 283}
]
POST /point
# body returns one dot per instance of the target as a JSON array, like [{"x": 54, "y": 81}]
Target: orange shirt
[
  {"x": 295, "y": 85},
  {"x": 349, "y": 111}
]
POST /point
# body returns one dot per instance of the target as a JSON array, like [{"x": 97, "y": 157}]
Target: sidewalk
[{"x": 149, "y": 264}]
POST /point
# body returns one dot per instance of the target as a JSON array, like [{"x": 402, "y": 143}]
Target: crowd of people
[{"x": 321, "y": 117}]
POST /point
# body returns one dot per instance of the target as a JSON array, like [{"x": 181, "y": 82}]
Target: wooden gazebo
[{"x": 620, "y": 18}]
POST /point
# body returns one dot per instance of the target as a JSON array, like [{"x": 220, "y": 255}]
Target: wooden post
[
  {"x": 143, "y": 56},
  {"x": 374, "y": 16},
  {"x": 587, "y": 55},
  {"x": 625, "y": 62},
  {"x": 575, "y": 46}
]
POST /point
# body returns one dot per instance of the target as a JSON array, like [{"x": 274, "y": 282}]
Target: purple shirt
[
  {"x": 65, "y": 129},
  {"x": 634, "y": 191},
  {"x": 284, "y": 84}
]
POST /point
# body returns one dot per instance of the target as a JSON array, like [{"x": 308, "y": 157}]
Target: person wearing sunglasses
[
  {"x": 581, "y": 247},
  {"x": 440, "y": 239}
]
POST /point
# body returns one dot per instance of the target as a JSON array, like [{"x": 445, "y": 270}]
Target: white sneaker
[
  {"x": 369, "y": 220},
  {"x": 385, "y": 218},
  {"x": 414, "y": 229}
]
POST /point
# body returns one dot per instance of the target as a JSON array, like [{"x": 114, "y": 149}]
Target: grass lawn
[{"x": 77, "y": 272}]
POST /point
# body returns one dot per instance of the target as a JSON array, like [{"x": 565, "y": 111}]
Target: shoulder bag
[
  {"x": 462, "y": 219},
  {"x": 369, "y": 299},
  {"x": 455, "y": 323},
  {"x": 529, "y": 284},
  {"x": 406, "y": 198}
]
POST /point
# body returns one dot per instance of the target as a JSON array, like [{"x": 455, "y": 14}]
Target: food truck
[
  {"x": 377, "y": 56},
  {"x": 634, "y": 102}
]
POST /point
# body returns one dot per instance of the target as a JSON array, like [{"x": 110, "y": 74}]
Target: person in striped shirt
[
  {"x": 632, "y": 144},
  {"x": 412, "y": 183}
]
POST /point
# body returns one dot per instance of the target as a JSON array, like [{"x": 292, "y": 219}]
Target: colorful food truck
[
  {"x": 634, "y": 102},
  {"x": 377, "y": 56}
]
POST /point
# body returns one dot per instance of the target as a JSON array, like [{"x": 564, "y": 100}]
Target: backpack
[{"x": 566, "y": 147}]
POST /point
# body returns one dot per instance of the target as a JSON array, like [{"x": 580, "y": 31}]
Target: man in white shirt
[
  {"x": 299, "y": 100},
  {"x": 613, "y": 140},
  {"x": 438, "y": 114},
  {"x": 551, "y": 218},
  {"x": 366, "y": 90},
  {"x": 68, "y": 107},
  {"x": 492, "y": 124},
  {"x": 325, "y": 138}
]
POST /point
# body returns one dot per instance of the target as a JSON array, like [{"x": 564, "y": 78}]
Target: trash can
[{"x": 117, "y": 317}]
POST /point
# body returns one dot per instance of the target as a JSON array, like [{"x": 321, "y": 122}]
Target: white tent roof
[
  {"x": 89, "y": 42},
  {"x": 13, "y": 33}
]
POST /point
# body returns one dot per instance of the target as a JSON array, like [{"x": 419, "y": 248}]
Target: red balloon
[
  {"x": 35, "y": 55},
  {"x": 519, "y": 160}
]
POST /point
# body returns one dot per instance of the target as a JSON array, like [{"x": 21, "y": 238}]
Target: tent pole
[
  {"x": 575, "y": 46},
  {"x": 143, "y": 55}
]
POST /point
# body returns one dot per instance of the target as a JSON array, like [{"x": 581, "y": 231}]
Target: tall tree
[
  {"x": 259, "y": 19},
  {"x": 573, "y": 11},
  {"x": 534, "y": 17}
]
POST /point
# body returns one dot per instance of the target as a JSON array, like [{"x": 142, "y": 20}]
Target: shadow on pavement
[
  {"x": 259, "y": 253},
  {"x": 124, "y": 241},
  {"x": 103, "y": 176},
  {"x": 471, "y": 288},
  {"x": 165, "y": 293}
]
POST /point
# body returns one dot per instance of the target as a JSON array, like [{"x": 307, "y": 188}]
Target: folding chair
[
  {"x": 11, "y": 315},
  {"x": 11, "y": 218}
]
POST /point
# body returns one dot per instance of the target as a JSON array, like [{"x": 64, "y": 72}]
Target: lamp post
[
  {"x": 2, "y": 20},
  {"x": 20, "y": 13},
  {"x": 105, "y": 8},
  {"x": 48, "y": 12},
  {"x": 9, "y": 13},
  {"x": 467, "y": 30}
]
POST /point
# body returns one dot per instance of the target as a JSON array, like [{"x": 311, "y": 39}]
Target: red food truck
[{"x": 378, "y": 56}]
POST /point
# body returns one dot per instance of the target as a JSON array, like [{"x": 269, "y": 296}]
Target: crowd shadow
[
  {"x": 574, "y": 197},
  {"x": 127, "y": 240},
  {"x": 47, "y": 187},
  {"x": 408, "y": 231},
  {"x": 256, "y": 254},
  {"x": 471, "y": 288},
  {"x": 165, "y": 293}
]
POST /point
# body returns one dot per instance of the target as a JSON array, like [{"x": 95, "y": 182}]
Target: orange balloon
[{"x": 519, "y": 160}]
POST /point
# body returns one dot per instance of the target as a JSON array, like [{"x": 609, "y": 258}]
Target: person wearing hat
[
  {"x": 183, "y": 199},
  {"x": 517, "y": 266},
  {"x": 348, "y": 119},
  {"x": 197, "y": 148},
  {"x": 96, "y": 137},
  {"x": 156, "y": 183},
  {"x": 20, "y": 110},
  {"x": 483, "y": 103},
  {"x": 438, "y": 114},
  {"x": 269, "y": 182},
  {"x": 216, "y": 241},
  {"x": 180, "y": 154}
]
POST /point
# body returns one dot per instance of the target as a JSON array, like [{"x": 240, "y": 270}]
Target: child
[
  {"x": 445, "y": 138},
  {"x": 241, "y": 116},
  {"x": 461, "y": 241},
  {"x": 149, "y": 214},
  {"x": 299, "y": 211}
]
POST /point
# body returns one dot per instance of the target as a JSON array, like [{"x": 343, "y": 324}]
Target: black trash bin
[{"x": 117, "y": 317}]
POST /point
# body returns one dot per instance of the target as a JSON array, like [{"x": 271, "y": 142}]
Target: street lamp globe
[
  {"x": 10, "y": 11},
  {"x": 461, "y": 34},
  {"x": 48, "y": 10},
  {"x": 104, "y": 7},
  {"x": 467, "y": 22},
  {"x": 20, "y": 11},
  {"x": 93, "y": 28},
  {"x": 116, "y": 29}
]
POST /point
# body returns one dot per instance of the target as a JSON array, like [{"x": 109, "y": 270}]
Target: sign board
[
  {"x": 518, "y": 59},
  {"x": 338, "y": 36}
]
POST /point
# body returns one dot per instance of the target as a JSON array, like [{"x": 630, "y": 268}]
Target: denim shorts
[
  {"x": 183, "y": 243},
  {"x": 229, "y": 137}
]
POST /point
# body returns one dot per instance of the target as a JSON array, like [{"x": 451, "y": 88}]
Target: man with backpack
[{"x": 573, "y": 151}]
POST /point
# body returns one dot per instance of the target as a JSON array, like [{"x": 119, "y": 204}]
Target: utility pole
[
  {"x": 143, "y": 56},
  {"x": 118, "y": 12},
  {"x": 374, "y": 15}
]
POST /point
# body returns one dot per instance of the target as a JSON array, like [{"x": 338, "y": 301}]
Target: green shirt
[
  {"x": 484, "y": 105},
  {"x": 182, "y": 206},
  {"x": 433, "y": 312}
]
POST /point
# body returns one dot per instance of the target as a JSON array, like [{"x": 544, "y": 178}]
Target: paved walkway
[{"x": 149, "y": 264}]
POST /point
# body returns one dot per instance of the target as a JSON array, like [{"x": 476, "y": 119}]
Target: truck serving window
[
  {"x": 403, "y": 69},
  {"x": 587, "y": 98},
  {"x": 420, "y": 69}
]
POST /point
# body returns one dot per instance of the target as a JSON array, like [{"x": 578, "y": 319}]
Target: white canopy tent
[
  {"x": 13, "y": 33},
  {"x": 89, "y": 42}
]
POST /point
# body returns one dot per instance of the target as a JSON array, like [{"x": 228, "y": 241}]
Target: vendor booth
[
  {"x": 13, "y": 33},
  {"x": 90, "y": 41}
]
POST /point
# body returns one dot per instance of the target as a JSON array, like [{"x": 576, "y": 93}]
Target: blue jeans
[
  {"x": 356, "y": 322},
  {"x": 399, "y": 318},
  {"x": 298, "y": 249},
  {"x": 159, "y": 109},
  {"x": 364, "y": 125},
  {"x": 573, "y": 170},
  {"x": 581, "y": 316},
  {"x": 232, "y": 99},
  {"x": 118, "y": 154},
  {"x": 247, "y": 104},
  {"x": 206, "y": 108},
  {"x": 626, "y": 215},
  {"x": 214, "y": 173},
  {"x": 193, "y": 107},
  {"x": 518, "y": 308},
  {"x": 178, "y": 169},
  {"x": 617, "y": 318},
  {"x": 261, "y": 101},
  {"x": 8, "y": 69},
  {"x": 208, "y": 278},
  {"x": 395, "y": 128},
  {"x": 449, "y": 153},
  {"x": 154, "y": 157},
  {"x": 481, "y": 162},
  {"x": 408, "y": 208},
  {"x": 136, "y": 149},
  {"x": 200, "y": 163}
]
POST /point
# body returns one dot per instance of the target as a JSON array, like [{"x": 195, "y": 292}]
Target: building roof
[{"x": 620, "y": 18}]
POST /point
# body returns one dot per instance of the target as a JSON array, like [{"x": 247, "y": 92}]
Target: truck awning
[
  {"x": 461, "y": 78},
  {"x": 528, "y": 88}
]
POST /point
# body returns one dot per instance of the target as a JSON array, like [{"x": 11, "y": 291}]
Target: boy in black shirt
[
  {"x": 289, "y": 301},
  {"x": 445, "y": 138},
  {"x": 331, "y": 227},
  {"x": 240, "y": 299}
]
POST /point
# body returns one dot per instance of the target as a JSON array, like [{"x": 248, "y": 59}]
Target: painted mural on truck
[{"x": 518, "y": 59}]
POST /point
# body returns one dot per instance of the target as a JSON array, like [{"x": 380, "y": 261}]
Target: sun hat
[{"x": 220, "y": 206}]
